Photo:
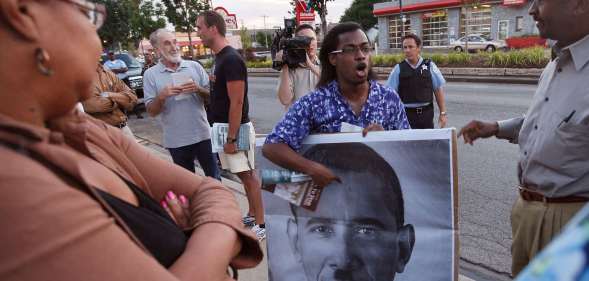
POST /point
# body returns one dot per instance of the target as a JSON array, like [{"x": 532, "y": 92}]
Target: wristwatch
[
  {"x": 231, "y": 140},
  {"x": 443, "y": 113}
]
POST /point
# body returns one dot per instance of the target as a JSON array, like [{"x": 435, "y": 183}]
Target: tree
[
  {"x": 361, "y": 12},
  {"x": 264, "y": 39},
  {"x": 246, "y": 40},
  {"x": 149, "y": 18},
  {"x": 183, "y": 13},
  {"x": 116, "y": 30},
  {"x": 319, "y": 6}
]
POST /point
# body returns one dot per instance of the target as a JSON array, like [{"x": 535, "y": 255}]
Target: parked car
[
  {"x": 477, "y": 42},
  {"x": 132, "y": 77}
]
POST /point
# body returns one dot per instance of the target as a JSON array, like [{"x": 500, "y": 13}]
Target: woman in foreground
[{"x": 80, "y": 201}]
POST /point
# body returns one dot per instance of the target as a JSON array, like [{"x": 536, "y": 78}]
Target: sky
[{"x": 251, "y": 12}]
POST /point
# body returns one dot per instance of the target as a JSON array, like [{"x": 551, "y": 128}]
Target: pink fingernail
[
  {"x": 164, "y": 204},
  {"x": 171, "y": 195},
  {"x": 183, "y": 200}
]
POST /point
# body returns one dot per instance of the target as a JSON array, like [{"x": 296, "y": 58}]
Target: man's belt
[
  {"x": 419, "y": 109},
  {"x": 529, "y": 195},
  {"x": 122, "y": 125}
]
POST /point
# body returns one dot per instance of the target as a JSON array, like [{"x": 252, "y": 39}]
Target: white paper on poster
[{"x": 345, "y": 236}]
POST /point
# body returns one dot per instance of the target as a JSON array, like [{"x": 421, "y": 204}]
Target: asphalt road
[{"x": 487, "y": 170}]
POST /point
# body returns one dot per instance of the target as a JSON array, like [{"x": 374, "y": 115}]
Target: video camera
[{"x": 294, "y": 50}]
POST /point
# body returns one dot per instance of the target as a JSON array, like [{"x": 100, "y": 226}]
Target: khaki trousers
[{"x": 533, "y": 225}]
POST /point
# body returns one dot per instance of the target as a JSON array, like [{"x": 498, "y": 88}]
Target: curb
[{"x": 473, "y": 75}]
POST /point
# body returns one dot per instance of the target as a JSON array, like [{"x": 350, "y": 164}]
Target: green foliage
[
  {"x": 183, "y": 13},
  {"x": 361, "y": 12},
  {"x": 387, "y": 59},
  {"x": 264, "y": 39},
  {"x": 246, "y": 40},
  {"x": 438, "y": 59},
  {"x": 149, "y": 18},
  {"x": 116, "y": 28},
  {"x": 129, "y": 21},
  {"x": 528, "y": 57},
  {"x": 459, "y": 59},
  {"x": 208, "y": 64},
  {"x": 259, "y": 64}
]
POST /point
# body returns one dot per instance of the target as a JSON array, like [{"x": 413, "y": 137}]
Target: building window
[
  {"x": 396, "y": 28},
  {"x": 435, "y": 28},
  {"x": 519, "y": 24},
  {"x": 477, "y": 19}
]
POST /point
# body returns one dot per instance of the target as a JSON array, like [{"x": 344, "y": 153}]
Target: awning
[
  {"x": 186, "y": 43},
  {"x": 417, "y": 7}
]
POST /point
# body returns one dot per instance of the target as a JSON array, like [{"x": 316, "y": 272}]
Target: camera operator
[{"x": 297, "y": 82}]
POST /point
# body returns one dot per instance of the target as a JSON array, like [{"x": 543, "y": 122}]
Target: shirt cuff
[{"x": 509, "y": 129}]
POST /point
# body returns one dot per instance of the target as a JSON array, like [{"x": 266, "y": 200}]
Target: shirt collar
[
  {"x": 163, "y": 68},
  {"x": 418, "y": 62},
  {"x": 333, "y": 88},
  {"x": 579, "y": 52}
]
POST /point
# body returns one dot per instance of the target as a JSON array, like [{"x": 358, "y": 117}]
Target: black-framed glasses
[
  {"x": 96, "y": 13},
  {"x": 351, "y": 50}
]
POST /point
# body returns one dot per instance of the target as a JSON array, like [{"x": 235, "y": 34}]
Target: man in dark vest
[{"x": 417, "y": 80}]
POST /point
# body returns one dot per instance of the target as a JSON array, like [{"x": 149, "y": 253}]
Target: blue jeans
[{"x": 184, "y": 156}]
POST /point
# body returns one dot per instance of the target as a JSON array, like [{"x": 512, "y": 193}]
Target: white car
[{"x": 477, "y": 42}]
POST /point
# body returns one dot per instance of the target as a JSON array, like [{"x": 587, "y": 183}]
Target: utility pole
[{"x": 265, "y": 35}]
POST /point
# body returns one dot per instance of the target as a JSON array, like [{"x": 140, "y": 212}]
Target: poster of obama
[{"x": 390, "y": 214}]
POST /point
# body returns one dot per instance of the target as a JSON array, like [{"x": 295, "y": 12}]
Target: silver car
[{"x": 477, "y": 42}]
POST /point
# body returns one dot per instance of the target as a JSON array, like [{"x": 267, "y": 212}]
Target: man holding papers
[{"x": 175, "y": 90}]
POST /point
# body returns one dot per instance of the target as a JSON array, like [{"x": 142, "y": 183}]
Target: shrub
[
  {"x": 458, "y": 59},
  {"x": 259, "y": 64},
  {"x": 387, "y": 59},
  {"x": 438, "y": 59}
]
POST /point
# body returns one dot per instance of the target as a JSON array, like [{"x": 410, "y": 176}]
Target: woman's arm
[{"x": 210, "y": 203}]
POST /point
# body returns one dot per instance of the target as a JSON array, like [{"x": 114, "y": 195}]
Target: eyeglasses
[
  {"x": 96, "y": 13},
  {"x": 350, "y": 50}
]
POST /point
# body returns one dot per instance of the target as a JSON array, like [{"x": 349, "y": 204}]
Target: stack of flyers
[
  {"x": 179, "y": 79},
  {"x": 219, "y": 134},
  {"x": 296, "y": 188}
]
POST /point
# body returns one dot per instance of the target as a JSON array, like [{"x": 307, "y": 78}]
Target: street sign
[{"x": 302, "y": 15}]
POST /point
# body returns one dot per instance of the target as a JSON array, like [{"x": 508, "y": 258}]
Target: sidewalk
[{"x": 259, "y": 273}]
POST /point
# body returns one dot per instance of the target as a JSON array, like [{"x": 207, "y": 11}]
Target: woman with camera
[{"x": 297, "y": 82}]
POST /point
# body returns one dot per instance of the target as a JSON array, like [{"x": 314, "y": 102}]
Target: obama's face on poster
[{"x": 355, "y": 233}]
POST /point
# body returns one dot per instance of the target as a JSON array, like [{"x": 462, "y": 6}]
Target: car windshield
[{"x": 130, "y": 61}]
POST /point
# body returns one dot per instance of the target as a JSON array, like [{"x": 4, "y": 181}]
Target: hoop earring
[{"x": 42, "y": 58}]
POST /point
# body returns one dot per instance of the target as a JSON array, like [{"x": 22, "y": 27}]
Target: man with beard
[
  {"x": 347, "y": 92},
  {"x": 367, "y": 241},
  {"x": 229, "y": 105},
  {"x": 553, "y": 136},
  {"x": 175, "y": 90}
]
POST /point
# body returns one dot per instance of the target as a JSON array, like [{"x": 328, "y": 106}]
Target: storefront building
[{"x": 439, "y": 22}]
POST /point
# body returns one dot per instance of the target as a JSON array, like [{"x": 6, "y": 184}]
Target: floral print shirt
[{"x": 324, "y": 110}]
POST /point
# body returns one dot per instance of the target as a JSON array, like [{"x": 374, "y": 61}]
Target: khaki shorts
[{"x": 241, "y": 161}]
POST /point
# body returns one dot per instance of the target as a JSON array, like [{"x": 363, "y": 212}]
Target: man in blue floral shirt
[{"x": 346, "y": 92}]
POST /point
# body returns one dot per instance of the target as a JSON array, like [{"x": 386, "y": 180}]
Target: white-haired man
[{"x": 175, "y": 90}]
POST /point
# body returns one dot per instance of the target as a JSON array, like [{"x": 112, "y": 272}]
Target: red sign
[
  {"x": 230, "y": 19},
  {"x": 513, "y": 2},
  {"x": 302, "y": 14}
]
